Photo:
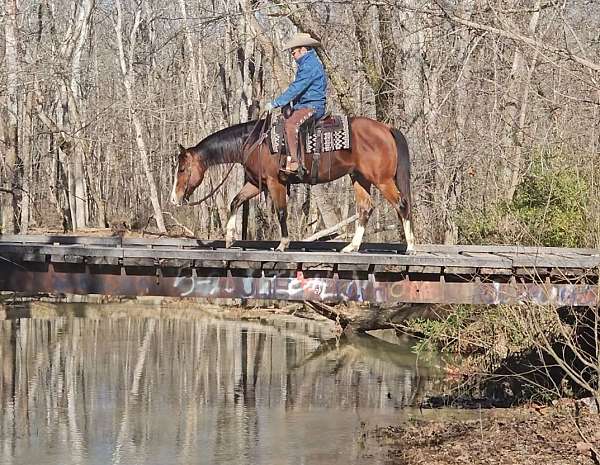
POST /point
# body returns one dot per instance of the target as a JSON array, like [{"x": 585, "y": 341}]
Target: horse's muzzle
[
  {"x": 177, "y": 201},
  {"x": 180, "y": 201}
]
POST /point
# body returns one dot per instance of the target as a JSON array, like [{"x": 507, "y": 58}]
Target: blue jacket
[{"x": 309, "y": 87}]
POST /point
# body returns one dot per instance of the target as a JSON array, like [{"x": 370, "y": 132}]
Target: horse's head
[{"x": 189, "y": 174}]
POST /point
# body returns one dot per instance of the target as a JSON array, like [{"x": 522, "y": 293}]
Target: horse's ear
[{"x": 181, "y": 148}]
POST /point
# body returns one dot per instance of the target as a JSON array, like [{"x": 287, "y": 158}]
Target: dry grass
[{"x": 518, "y": 436}]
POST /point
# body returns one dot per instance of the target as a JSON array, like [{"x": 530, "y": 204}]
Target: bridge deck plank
[
  {"x": 294, "y": 245},
  {"x": 60, "y": 239},
  {"x": 550, "y": 260},
  {"x": 486, "y": 259},
  {"x": 513, "y": 249},
  {"x": 93, "y": 251},
  {"x": 313, "y": 257}
]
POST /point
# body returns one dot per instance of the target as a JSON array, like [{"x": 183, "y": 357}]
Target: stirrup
[{"x": 288, "y": 170}]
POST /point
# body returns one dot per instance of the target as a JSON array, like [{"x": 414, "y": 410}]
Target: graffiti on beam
[
  {"x": 539, "y": 293},
  {"x": 275, "y": 287},
  {"x": 300, "y": 287},
  {"x": 297, "y": 286}
]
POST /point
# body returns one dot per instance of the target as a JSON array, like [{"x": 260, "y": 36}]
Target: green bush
[
  {"x": 469, "y": 330},
  {"x": 549, "y": 208},
  {"x": 551, "y": 203}
]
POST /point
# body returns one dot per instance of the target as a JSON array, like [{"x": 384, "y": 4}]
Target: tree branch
[
  {"x": 519, "y": 38},
  {"x": 332, "y": 229}
]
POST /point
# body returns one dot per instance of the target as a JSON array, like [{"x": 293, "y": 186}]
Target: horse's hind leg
[
  {"x": 279, "y": 196},
  {"x": 247, "y": 192},
  {"x": 364, "y": 207},
  {"x": 391, "y": 193}
]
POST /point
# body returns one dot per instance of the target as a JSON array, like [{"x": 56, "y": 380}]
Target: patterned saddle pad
[{"x": 326, "y": 135}]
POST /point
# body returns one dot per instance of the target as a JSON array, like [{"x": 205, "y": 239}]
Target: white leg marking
[
  {"x": 230, "y": 229},
  {"x": 356, "y": 240},
  {"x": 408, "y": 234}
]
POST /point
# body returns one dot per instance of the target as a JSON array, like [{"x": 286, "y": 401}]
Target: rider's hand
[{"x": 269, "y": 107}]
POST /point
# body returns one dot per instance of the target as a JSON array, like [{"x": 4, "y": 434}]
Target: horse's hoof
[
  {"x": 410, "y": 251},
  {"x": 283, "y": 245},
  {"x": 349, "y": 248},
  {"x": 228, "y": 243}
]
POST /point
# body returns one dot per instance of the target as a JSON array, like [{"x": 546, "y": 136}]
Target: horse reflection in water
[{"x": 379, "y": 157}]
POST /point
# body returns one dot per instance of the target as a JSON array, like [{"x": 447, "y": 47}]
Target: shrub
[{"x": 553, "y": 206}]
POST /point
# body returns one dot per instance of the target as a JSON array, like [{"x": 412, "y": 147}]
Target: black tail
[{"x": 403, "y": 172}]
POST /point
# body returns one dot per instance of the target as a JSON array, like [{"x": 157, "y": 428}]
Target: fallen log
[{"x": 361, "y": 318}]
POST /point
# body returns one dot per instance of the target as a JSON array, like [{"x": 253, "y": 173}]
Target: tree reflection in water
[{"x": 192, "y": 388}]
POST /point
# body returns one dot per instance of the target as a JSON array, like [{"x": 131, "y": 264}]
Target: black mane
[{"x": 225, "y": 146}]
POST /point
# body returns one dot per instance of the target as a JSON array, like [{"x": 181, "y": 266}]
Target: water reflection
[{"x": 195, "y": 390}]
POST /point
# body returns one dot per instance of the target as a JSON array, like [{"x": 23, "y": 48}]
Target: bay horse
[{"x": 379, "y": 157}]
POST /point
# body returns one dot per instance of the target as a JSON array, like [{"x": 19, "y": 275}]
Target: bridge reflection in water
[{"x": 196, "y": 389}]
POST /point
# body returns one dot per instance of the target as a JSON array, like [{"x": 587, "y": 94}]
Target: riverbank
[{"x": 517, "y": 436}]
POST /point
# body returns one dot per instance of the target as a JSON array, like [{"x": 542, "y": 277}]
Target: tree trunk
[
  {"x": 128, "y": 75},
  {"x": 516, "y": 112},
  {"x": 384, "y": 98},
  {"x": 361, "y": 318},
  {"x": 413, "y": 98},
  {"x": 27, "y": 146},
  {"x": 378, "y": 61},
  {"x": 67, "y": 120},
  {"x": 195, "y": 70},
  {"x": 10, "y": 185},
  {"x": 78, "y": 185},
  {"x": 246, "y": 57},
  {"x": 267, "y": 46}
]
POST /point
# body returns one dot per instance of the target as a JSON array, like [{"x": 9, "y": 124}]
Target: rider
[{"x": 306, "y": 93}]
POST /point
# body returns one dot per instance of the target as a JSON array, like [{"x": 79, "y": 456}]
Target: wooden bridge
[{"x": 311, "y": 271}]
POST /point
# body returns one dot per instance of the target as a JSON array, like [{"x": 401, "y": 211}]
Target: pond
[{"x": 97, "y": 384}]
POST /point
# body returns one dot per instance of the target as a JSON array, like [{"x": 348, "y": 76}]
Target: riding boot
[
  {"x": 292, "y": 128},
  {"x": 291, "y": 163}
]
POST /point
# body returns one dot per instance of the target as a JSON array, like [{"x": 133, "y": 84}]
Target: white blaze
[{"x": 174, "y": 200}]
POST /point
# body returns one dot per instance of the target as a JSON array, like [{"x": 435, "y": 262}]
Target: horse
[{"x": 379, "y": 157}]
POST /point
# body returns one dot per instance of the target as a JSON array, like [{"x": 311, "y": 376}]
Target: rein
[{"x": 260, "y": 140}]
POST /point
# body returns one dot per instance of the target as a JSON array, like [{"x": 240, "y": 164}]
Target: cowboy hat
[{"x": 301, "y": 39}]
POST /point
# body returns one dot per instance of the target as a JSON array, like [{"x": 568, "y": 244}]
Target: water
[{"x": 172, "y": 386}]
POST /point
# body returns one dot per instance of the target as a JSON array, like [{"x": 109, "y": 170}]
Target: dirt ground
[{"x": 526, "y": 436}]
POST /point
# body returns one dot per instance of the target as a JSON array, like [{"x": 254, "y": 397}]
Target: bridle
[{"x": 254, "y": 146}]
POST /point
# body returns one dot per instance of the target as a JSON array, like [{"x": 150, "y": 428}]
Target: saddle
[{"x": 328, "y": 134}]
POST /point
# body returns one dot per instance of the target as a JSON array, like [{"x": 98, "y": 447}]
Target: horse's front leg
[
  {"x": 279, "y": 197},
  {"x": 246, "y": 193}
]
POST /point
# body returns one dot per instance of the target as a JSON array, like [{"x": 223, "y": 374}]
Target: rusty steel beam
[{"x": 118, "y": 280}]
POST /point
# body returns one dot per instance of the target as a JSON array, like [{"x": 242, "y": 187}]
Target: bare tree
[
  {"x": 378, "y": 53},
  {"x": 480, "y": 90},
  {"x": 126, "y": 62},
  {"x": 10, "y": 125},
  {"x": 66, "y": 119}
]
